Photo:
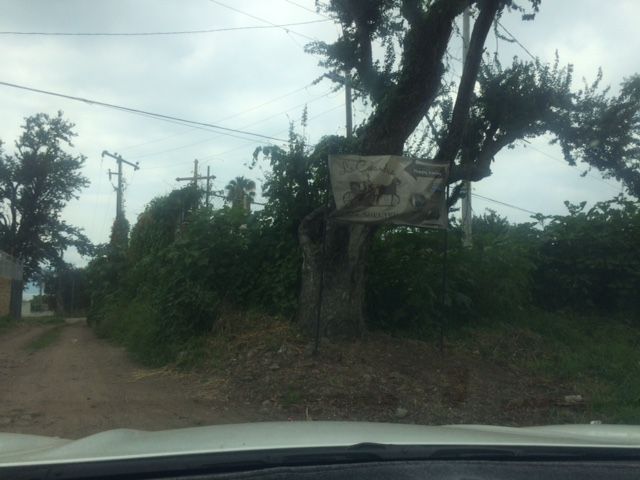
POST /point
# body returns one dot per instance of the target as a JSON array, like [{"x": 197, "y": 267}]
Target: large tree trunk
[{"x": 333, "y": 276}]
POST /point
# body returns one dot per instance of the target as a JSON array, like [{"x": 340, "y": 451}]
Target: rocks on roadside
[{"x": 570, "y": 400}]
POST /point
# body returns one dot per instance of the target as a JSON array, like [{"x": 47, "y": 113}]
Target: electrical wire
[
  {"x": 149, "y": 34},
  {"x": 219, "y": 155},
  {"x": 517, "y": 41},
  {"x": 262, "y": 20},
  {"x": 308, "y": 9},
  {"x": 159, "y": 116},
  {"x": 542, "y": 152},
  {"x": 505, "y": 204},
  {"x": 225, "y": 197},
  {"x": 208, "y": 139}
]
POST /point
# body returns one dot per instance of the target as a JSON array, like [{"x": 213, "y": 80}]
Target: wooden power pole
[
  {"x": 194, "y": 179},
  {"x": 119, "y": 188},
  {"x": 207, "y": 192},
  {"x": 348, "y": 103}
]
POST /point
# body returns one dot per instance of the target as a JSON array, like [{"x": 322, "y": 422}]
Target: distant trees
[
  {"x": 36, "y": 183},
  {"x": 241, "y": 192}
]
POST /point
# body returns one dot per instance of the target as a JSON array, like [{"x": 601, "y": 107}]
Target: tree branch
[
  {"x": 405, "y": 104},
  {"x": 363, "y": 63},
  {"x": 411, "y": 11},
  {"x": 481, "y": 167},
  {"x": 455, "y": 195},
  {"x": 449, "y": 147}
]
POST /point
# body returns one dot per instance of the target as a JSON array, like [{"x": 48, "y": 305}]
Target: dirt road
[
  {"x": 62, "y": 380},
  {"x": 79, "y": 384}
]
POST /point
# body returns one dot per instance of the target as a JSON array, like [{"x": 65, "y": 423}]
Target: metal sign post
[
  {"x": 445, "y": 268},
  {"x": 323, "y": 258}
]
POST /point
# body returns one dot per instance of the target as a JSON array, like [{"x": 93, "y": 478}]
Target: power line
[
  {"x": 219, "y": 195},
  {"x": 149, "y": 34},
  {"x": 505, "y": 204},
  {"x": 517, "y": 41},
  {"x": 293, "y": 92},
  {"x": 244, "y": 126},
  {"x": 155, "y": 167},
  {"x": 308, "y": 9},
  {"x": 139, "y": 112},
  {"x": 262, "y": 20},
  {"x": 197, "y": 127},
  {"x": 542, "y": 152},
  {"x": 250, "y": 109},
  {"x": 218, "y": 155}
]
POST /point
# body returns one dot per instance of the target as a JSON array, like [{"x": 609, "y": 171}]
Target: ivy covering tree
[
  {"x": 464, "y": 125},
  {"x": 36, "y": 183}
]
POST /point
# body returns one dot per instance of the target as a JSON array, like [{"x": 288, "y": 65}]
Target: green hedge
[{"x": 185, "y": 264}]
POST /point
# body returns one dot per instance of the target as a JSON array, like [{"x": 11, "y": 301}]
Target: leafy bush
[
  {"x": 493, "y": 278},
  {"x": 588, "y": 259},
  {"x": 185, "y": 264},
  {"x": 169, "y": 285}
]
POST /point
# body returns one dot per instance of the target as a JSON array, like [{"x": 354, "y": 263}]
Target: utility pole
[
  {"x": 195, "y": 172},
  {"x": 208, "y": 190},
  {"x": 467, "y": 212},
  {"x": 348, "y": 102},
  {"x": 119, "y": 192},
  {"x": 194, "y": 179}
]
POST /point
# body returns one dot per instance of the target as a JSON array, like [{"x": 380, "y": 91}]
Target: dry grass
[{"x": 266, "y": 365}]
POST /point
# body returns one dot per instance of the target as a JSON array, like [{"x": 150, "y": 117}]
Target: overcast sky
[{"x": 256, "y": 80}]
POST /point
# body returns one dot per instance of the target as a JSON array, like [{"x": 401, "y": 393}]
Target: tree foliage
[
  {"x": 492, "y": 107},
  {"x": 183, "y": 265},
  {"x": 36, "y": 183},
  {"x": 396, "y": 54},
  {"x": 67, "y": 289}
]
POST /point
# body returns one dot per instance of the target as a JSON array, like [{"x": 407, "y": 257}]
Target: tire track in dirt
[
  {"x": 81, "y": 385},
  {"x": 12, "y": 343}
]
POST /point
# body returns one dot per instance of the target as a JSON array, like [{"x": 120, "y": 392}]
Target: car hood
[{"x": 18, "y": 449}]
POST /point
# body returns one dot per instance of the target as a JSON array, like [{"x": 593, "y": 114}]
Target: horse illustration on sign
[{"x": 365, "y": 194}]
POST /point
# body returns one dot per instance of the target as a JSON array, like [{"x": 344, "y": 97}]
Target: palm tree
[{"x": 241, "y": 192}]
